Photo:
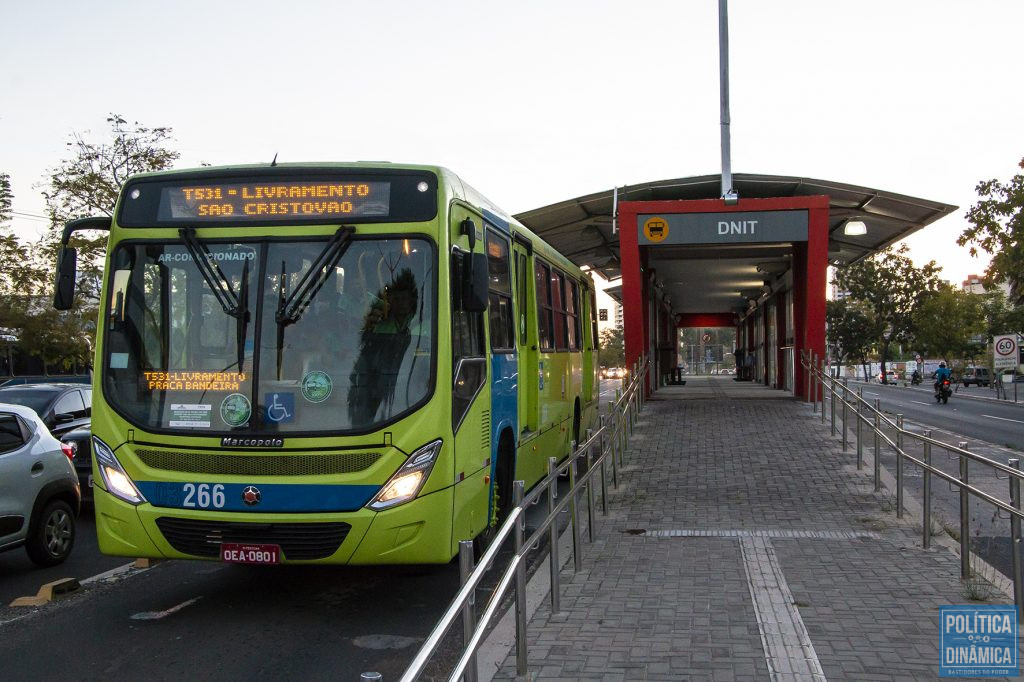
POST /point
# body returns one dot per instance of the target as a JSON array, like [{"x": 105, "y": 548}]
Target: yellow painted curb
[{"x": 49, "y": 592}]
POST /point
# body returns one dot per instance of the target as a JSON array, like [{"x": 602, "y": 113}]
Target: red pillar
[
  {"x": 810, "y": 267},
  {"x": 780, "y": 339},
  {"x": 634, "y": 307}
]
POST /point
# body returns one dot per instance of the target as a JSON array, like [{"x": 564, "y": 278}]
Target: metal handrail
[
  {"x": 606, "y": 439},
  {"x": 862, "y": 411}
]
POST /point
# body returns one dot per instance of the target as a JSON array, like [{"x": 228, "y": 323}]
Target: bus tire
[{"x": 504, "y": 474}]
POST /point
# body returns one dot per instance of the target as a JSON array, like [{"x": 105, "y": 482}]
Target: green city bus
[{"x": 332, "y": 363}]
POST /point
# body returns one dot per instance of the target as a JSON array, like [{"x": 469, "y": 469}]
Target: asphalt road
[
  {"x": 993, "y": 421},
  {"x": 192, "y": 619}
]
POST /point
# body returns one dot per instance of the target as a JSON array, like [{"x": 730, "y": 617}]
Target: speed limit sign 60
[{"x": 1005, "y": 351}]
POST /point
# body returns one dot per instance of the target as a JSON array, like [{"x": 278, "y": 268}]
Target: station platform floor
[{"x": 743, "y": 544}]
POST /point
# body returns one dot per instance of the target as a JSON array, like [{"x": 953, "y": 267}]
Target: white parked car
[{"x": 39, "y": 490}]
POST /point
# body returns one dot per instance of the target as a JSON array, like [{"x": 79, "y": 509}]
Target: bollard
[
  {"x": 604, "y": 468},
  {"x": 466, "y": 567},
  {"x": 553, "y": 536},
  {"x": 927, "y": 516},
  {"x": 899, "y": 466},
  {"x": 573, "y": 515},
  {"x": 860, "y": 438},
  {"x": 609, "y": 443},
  {"x": 846, "y": 399},
  {"x": 878, "y": 443},
  {"x": 520, "y": 532},
  {"x": 807, "y": 375},
  {"x": 814, "y": 386},
  {"x": 832, "y": 404},
  {"x": 1018, "y": 586},
  {"x": 590, "y": 491},
  {"x": 822, "y": 382},
  {"x": 965, "y": 518}
]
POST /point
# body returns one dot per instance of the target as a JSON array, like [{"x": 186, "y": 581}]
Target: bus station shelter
[{"x": 759, "y": 265}]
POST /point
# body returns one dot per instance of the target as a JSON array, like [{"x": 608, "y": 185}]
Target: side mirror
[
  {"x": 63, "y": 418},
  {"x": 64, "y": 286},
  {"x": 474, "y": 283}
]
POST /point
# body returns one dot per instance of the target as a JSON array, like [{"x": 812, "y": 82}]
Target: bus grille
[
  {"x": 297, "y": 540},
  {"x": 255, "y": 464}
]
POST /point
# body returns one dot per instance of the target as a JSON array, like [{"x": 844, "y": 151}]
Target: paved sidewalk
[{"x": 743, "y": 544}]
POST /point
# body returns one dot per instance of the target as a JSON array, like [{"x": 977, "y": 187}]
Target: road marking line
[
  {"x": 109, "y": 574},
  {"x": 157, "y": 615},
  {"x": 919, "y": 402},
  {"x": 1005, "y": 419},
  {"x": 788, "y": 650}
]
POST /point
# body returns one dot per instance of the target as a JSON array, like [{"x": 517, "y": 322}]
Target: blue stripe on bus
[
  {"x": 274, "y": 497},
  {"x": 504, "y": 404}
]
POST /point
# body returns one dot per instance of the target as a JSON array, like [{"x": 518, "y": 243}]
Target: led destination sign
[{"x": 287, "y": 200}]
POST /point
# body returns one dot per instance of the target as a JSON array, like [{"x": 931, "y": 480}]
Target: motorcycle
[
  {"x": 915, "y": 379},
  {"x": 944, "y": 391}
]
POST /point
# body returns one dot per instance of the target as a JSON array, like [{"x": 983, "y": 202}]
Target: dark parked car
[
  {"x": 61, "y": 407},
  {"x": 78, "y": 444}
]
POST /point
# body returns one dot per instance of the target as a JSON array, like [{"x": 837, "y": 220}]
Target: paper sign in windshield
[{"x": 188, "y": 416}]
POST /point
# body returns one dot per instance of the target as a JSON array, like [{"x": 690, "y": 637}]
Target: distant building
[
  {"x": 974, "y": 285},
  {"x": 837, "y": 293}
]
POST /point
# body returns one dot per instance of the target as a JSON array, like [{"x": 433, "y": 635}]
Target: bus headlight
[
  {"x": 406, "y": 483},
  {"x": 115, "y": 479}
]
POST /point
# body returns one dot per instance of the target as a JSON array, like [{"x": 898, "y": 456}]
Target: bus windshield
[{"x": 258, "y": 344}]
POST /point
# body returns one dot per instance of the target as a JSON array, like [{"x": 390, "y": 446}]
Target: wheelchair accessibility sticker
[{"x": 280, "y": 407}]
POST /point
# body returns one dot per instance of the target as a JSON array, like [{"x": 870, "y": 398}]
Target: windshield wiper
[
  {"x": 291, "y": 307},
  {"x": 237, "y": 306}
]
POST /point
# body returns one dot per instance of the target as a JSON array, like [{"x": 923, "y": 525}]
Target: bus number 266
[{"x": 203, "y": 495}]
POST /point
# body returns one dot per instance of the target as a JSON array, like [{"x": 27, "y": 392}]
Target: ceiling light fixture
[{"x": 855, "y": 228}]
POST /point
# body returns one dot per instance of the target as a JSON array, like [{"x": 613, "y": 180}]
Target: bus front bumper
[{"x": 418, "y": 532}]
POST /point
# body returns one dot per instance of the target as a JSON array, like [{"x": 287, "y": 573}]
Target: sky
[{"x": 536, "y": 101}]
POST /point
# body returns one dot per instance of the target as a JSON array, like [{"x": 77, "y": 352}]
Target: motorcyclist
[
  {"x": 915, "y": 378},
  {"x": 942, "y": 373}
]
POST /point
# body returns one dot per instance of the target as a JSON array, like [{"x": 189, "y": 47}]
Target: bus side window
[
  {"x": 469, "y": 364},
  {"x": 572, "y": 314},
  {"x": 545, "y": 321},
  {"x": 521, "y": 294},
  {"x": 500, "y": 295}
]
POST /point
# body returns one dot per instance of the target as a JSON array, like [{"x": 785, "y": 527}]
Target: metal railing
[
  {"x": 820, "y": 384},
  {"x": 610, "y": 441}
]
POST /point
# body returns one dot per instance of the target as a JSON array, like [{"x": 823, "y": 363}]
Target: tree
[
  {"x": 13, "y": 254},
  {"x": 850, "y": 331},
  {"x": 88, "y": 183},
  {"x": 946, "y": 323},
  {"x": 997, "y": 226},
  {"x": 890, "y": 287},
  {"x": 612, "y": 350},
  {"x": 1000, "y": 316}
]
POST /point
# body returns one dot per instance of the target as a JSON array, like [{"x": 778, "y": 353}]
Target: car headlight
[
  {"x": 407, "y": 482},
  {"x": 117, "y": 482}
]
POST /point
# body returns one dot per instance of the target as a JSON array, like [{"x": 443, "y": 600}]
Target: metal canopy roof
[{"x": 581, "y": 228}]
